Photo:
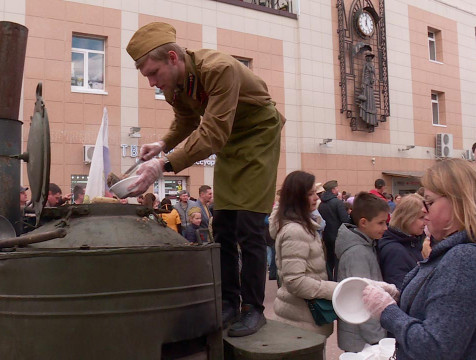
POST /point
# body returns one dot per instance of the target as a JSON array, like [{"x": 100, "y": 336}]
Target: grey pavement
[{"x": 332, "y": 351}]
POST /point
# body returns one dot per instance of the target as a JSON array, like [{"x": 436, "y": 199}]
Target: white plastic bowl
[
  {"x": 347, "y": 300},
  {"x": 120, "y": 188}
]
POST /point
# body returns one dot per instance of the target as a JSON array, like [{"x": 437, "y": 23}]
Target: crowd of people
[
  {"x": 422, "y": 297},
  {"x": 190, "y": 217}
]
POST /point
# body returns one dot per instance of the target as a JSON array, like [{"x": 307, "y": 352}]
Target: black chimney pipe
[{"x": 13, "y": 38}]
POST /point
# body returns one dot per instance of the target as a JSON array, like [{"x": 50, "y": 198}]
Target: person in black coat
[
  {"x": 333, "y": 211},
  {"x": 400, "y": 248}
]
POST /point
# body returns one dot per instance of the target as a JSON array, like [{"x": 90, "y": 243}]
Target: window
[
  {"x": 432, "y": 45},
  {"x": 438, "y": 108},
  {"x": 435, "y": 108},
  {"x": 244, "y": 61},
  {"x": 87, "y": 64},
  {"x": 435, "y": 45},
  {"x": 169, "y": 186}
]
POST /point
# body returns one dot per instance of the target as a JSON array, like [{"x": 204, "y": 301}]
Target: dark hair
[
  {"x": 348, "y": 205},
  {"x": 203, "y": 189},
  {"x": 379, "y": 183},
  {"x": 55, "y": 189},
  {"x": 78, "y": 190},
  {"x": 166, "y": 203},
  {"x": 474, "y": 147},
  {"x": 149, "y": 200},
  {"x": 293, "y": 202},
  {"x": 367, "y": 206}
]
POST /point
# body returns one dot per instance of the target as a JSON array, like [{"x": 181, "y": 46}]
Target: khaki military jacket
[{"x": 239, "y": 123}]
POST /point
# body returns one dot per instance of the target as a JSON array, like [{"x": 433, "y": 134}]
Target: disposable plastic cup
[{"x": 387, "y": 348}]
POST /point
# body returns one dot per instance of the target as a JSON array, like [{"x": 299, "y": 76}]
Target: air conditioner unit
[
  {"x": 468, "y": 155},
  {"x": 444, "y": 145},
  {"x": 88, "y": 153}
]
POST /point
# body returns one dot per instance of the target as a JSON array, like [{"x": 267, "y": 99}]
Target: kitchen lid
[{"x": 39, "y": 155}]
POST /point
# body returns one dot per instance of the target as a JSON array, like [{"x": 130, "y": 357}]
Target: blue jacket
[
  {"x": 436, "y": 319},
  {"x": 398, "y": 253}
]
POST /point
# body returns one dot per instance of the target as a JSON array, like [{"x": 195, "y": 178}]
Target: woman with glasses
[
  {"x": 400, "y": 248},
  {"x": 435, "y": 317}
]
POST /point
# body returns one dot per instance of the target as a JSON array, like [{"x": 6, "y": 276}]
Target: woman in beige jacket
[{"x": 300, "y": 255}]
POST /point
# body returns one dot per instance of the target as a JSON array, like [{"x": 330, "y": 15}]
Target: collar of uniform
[{"x": 190, "y": 81}]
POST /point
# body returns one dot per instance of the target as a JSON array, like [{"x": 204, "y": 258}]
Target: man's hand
[
  {"x": 148, "y": 151},
  {"x": 376, "y": 300},
  {"x": 64, "y": 199},
  {"x": 149, "y": 172}
]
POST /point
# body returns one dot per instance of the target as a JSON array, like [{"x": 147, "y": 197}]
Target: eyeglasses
[{"x": 427, "y": 204}]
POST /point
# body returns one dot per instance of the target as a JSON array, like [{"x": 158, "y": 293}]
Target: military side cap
[
  {"x": 194, "y": 210},
  {"x": 330, "y": 185},
  {"x": 149, "y": 37}
]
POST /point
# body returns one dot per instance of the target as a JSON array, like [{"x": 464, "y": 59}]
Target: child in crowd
[
  {"x": 195, "y": 218},
  {"x": 356, "y": 253},
  {"x": 173, "y": 218}
]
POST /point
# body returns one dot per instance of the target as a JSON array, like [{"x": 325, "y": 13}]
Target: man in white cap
[{"x": 220, "y": 108}]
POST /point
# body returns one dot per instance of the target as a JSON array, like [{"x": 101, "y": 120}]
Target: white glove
[
  {"x": 376, "y": 300},
  {"x": 390, "y": 288},
  {"x": 148, "y": 151},
  {"x": 149, "y": 172}
]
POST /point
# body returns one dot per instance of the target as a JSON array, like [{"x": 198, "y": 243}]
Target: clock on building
[
  {"x": 365, "y": 23},
  {"x": 363, "y": 63}
]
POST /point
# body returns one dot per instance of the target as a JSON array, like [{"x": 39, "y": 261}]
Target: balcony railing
[{"x": 288, "y": 8}]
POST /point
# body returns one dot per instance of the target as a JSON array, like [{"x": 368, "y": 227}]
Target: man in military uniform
[{"x": 221, "y": 108}]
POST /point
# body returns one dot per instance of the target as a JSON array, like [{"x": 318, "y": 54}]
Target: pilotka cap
[
  {"x": 149, "y": 37},
  {"x": 330, "y": 185}
]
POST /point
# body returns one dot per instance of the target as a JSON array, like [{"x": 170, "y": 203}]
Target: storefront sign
[{"x": 134, "y": 150}]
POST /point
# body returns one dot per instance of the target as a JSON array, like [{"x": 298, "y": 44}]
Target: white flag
[{"x": 100, "y": 164}]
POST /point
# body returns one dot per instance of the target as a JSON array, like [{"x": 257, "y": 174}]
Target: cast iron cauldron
[{"x": 119, "y": 285}]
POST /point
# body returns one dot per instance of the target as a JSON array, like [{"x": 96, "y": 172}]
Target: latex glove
[
  {"x": 148, "y": 151},
  {"x": 149, "y": 172},
  {"x": 376, "y": 300},
  {"x": 390, "y": 288}
]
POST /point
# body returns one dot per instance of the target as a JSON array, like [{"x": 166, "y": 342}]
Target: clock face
[{"x": 365, "y": 24}]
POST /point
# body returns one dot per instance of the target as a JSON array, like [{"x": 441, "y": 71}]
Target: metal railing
[
  {"x": 287, "y": 8},
  {"x": 283, "y": 5}
]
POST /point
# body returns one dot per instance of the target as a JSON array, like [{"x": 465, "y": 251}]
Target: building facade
[{"x": 426, "y": 51}]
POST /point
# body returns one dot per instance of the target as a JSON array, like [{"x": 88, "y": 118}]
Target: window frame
[
  {"x": 437, "y": 102},
  {"x": 86, "y": 52},
  {"x": 248, "y": 62},
  {"x": 432, "y": 40}
]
